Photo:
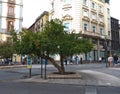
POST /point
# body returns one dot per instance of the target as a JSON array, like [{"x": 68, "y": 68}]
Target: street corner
[{"x": 100, "y": 78}]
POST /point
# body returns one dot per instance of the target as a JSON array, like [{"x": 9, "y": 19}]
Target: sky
[{"x": 33, "y": 8}]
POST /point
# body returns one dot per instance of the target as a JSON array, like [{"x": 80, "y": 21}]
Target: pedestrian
[
  {"x": 115, "y": 60},
  {"x": 110, "y": 60},
  {"x": 3, "y": 62},
  {"x": 66, "y": 61},
  {"x": 71, "y": 60},
  {"x": 81, "y": 62},
  {"x": 100, "y": 59},
  {"x": 77, "y": 59},
  {"x": 90, "y": 59}
]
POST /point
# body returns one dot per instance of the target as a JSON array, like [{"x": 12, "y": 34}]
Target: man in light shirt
[{"x": 110, "y": 60}]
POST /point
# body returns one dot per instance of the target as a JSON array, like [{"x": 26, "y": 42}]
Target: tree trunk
[
  {"x": 60, "y": 68},
  {"x": 62, "y": 65}
]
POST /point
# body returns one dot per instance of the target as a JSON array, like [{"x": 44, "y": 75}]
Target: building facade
[
  {"x": 119, "y": 33},
  {"x": 115, "y": 38},
  {"x": 90, "y": 17},
  {"x": 10, "y": 17},
  {"x": 40, "y": 22}
]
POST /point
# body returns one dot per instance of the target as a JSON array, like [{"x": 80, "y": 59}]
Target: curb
[
  {"x": 12, "y": 66},
  {"x": 68, "y": 76}
]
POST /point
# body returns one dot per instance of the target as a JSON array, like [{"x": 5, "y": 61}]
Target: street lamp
[
  {"x": 105, "y": 47},
  {"x": 41, "y": 60},
  {"x": 45, "y": 62},
  {"x": 41, "y": 67}
]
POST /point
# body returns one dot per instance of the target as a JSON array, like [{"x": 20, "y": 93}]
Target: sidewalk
[{"x": 84, "y": 77}]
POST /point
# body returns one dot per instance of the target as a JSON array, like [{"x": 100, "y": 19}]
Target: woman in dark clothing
[{"x": 115, "y": 59}]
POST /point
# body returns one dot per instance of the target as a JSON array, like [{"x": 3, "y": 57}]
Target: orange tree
[
  {"x": 52, "y": 40},
  {"x": 6, "y": 49},
  {"x": 55, "y": 40},
  {"x": 26, "y": 42}
]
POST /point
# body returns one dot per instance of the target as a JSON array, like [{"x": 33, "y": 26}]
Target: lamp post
[
  {"x": 45, "y": 76},
  {"x": 45, "y": 62},
  {"x": 41, "y": 62},
  {"x": 41, "y": 67},
  {"x": 105, "y": 47}
]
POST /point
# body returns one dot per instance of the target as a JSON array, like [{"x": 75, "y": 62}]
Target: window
[
  {"x": 0, "y": 8},
  {"x": 108, "y": 11},
  {"x": 93, "y": 15},
  {"x": 85, "y": 13},
  {"x": 10, "y": 10},
  {"x": 93, "y": 5},
  {"x": 52, "y": 4},
  {"x": 67, "y": 26},
  {"x": 100, "y": 9},
  {"x": 101, "y": 31},
  {"x": 67, "y": 12},
  {"x": 108, "y": 33},
  {"x": 85, "y": 27},
  {"x": 84, "y": 2},
  {"x": 67, "y": 1},
  {"x": 41, "y": 24},
  {"x": 93, "y": 28},
  {"x": 101, "y": 18},
  {"x": 10, "y": 25}
]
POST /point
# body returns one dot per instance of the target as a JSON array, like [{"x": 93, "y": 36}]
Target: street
[
  {"x": 95, "y": 76},
  {"x": 47, "y": 88}
]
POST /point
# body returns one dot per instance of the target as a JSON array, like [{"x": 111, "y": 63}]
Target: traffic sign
[{"x": 29, "y": 62}]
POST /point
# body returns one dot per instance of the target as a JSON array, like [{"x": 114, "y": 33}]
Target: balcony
[
  {"x": 65, "y": 6},
  {"x": 101, "y": 24},
  {"x": 108, "y": 37},
  {"x": 11, "y": 1},
  {"x": 94, "y": 10},
  {"x": 85, "y": 7},
  {"x": 98, "y": 47},
  {"x": 105, "y": 37},
  {"x": 67, "y": 17},
  {"x": 91, "y": 34},
  {"x": 11, "y": 16},
  {"x": 52, "y": 11},
  {"x": 94, "y": 21},
  {"x": 86, "y": 18},
  {"x": 21, "y": 18}
]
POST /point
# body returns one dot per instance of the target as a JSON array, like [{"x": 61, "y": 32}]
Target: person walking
[
  {"x": 90, "y": 59},
  {"x": 110, "y": 60},
  {"x": 3, "y": 62},
  {"x": 115, "y": 60},
  {"x": 77, "y": 59},
  {"x": 81, "y": 61},
  {"x": 100, "y": 59}
]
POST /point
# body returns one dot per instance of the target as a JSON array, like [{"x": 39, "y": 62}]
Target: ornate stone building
[
  {"x": 90, "y": 17},
  {"x": 10, "y": 17}
]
